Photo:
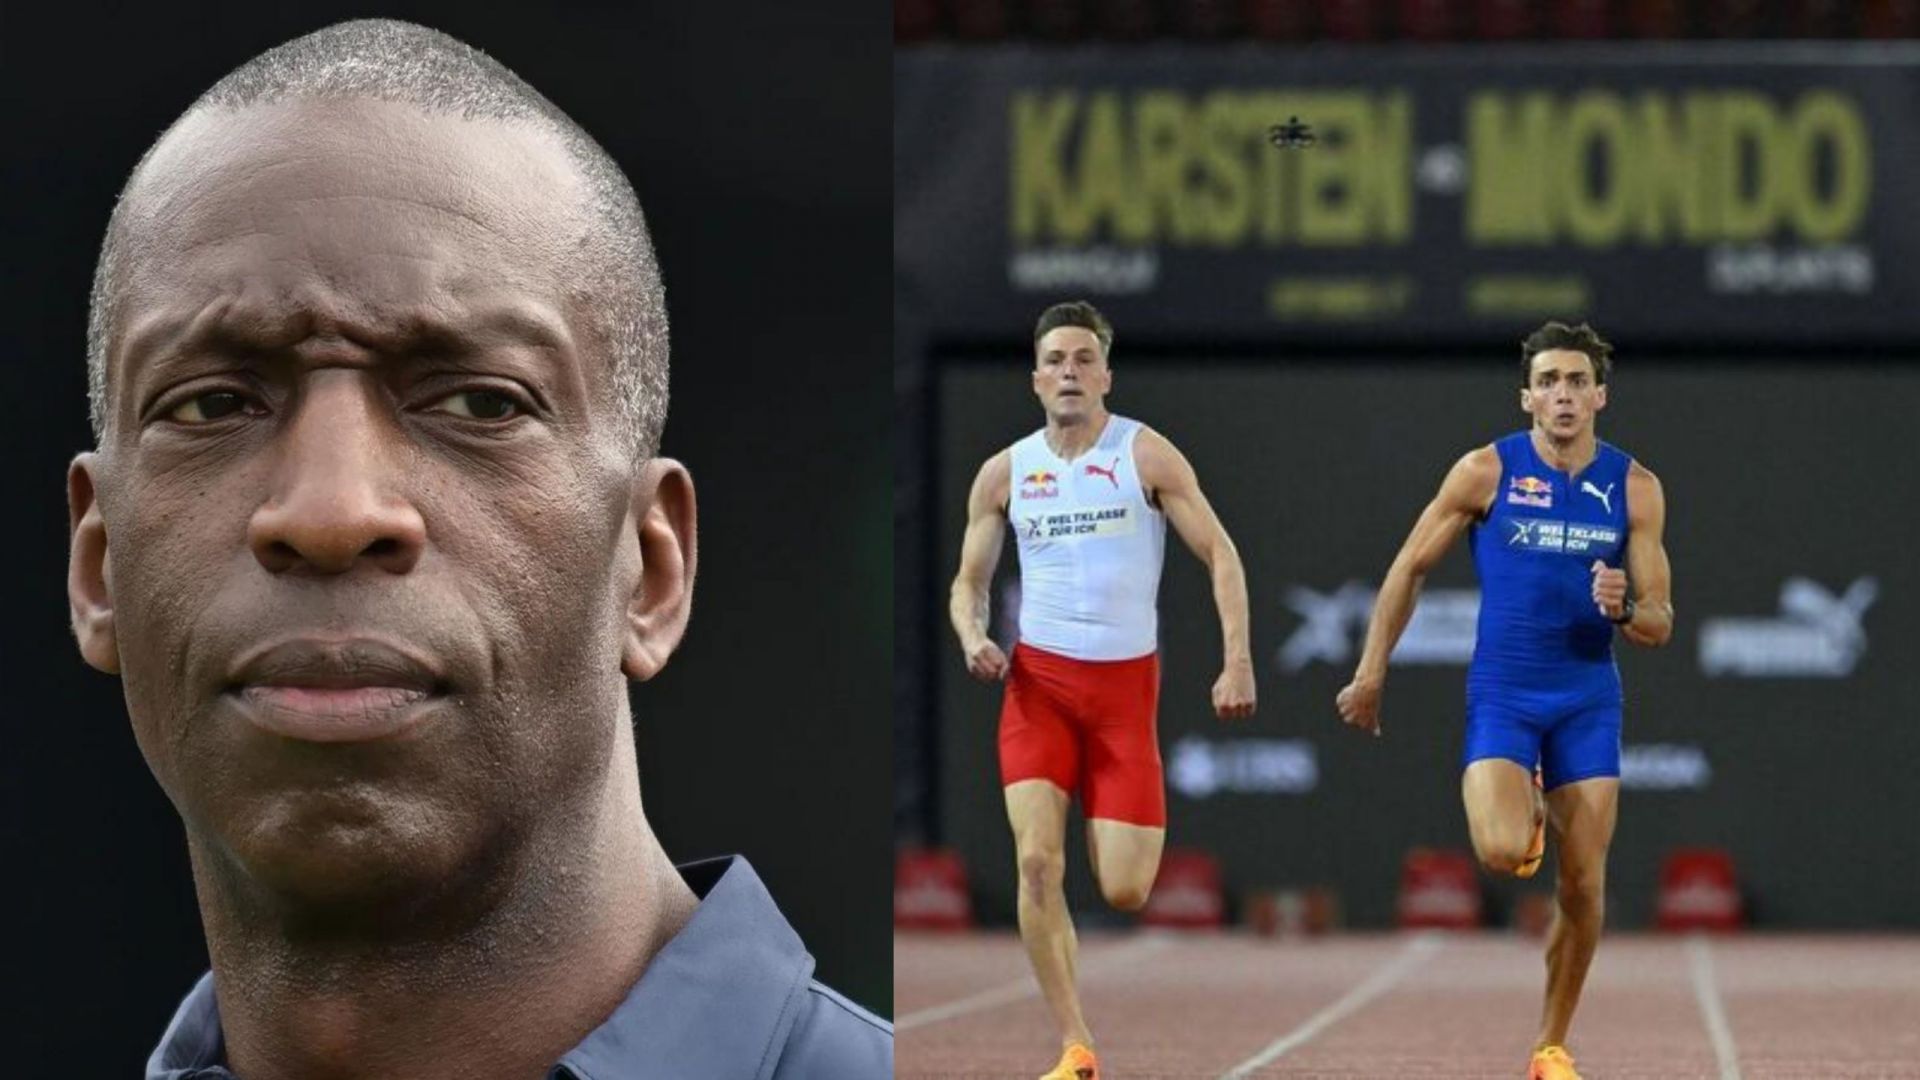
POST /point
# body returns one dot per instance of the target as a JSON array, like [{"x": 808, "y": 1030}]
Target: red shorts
[{"x": 1088, "y": 727}]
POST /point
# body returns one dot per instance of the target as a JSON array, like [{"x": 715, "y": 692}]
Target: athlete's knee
[
  {"x": 1502, "y": 860},
  {"x": 1582, "y": 891},
  {"x": 1042, "y": 870},
  {"x": 1501, "y": 854},
  {"x": 1125, "y": 895}
]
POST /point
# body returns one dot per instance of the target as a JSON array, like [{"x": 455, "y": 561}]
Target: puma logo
[
  {"x": 1603, "y": 496},
  {"x": 1108, "y": 472}
]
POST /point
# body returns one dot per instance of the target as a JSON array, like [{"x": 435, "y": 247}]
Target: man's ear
[
  {"x": 1526, "y": 400},
  {"x": 1599, "y": 397},
  {"x": 89, "y": 576},
  {"x": 663, "y": 597}
]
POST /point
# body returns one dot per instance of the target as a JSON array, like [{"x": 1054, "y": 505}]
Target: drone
[{"x": 1292, "y": 135}]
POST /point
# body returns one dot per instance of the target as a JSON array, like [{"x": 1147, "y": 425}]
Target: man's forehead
[
  {"x": 221, "y": 168},
  {"x": 253, "y": 230},
  {"x": 372, "y": 205},
  {"x": 1561, "y": 361},
  {"x": 1069, "y": 339}
]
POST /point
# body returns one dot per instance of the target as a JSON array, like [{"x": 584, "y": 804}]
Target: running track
[{"x": 1380, "y": 1007}]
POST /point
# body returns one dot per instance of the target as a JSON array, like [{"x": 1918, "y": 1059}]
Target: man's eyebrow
[
  {"x": 221, "y": 329},
  {"x": 518, "y": 324}
]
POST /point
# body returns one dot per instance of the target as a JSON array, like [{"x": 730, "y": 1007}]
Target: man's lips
[
  {"x": 342, "y": 690},
  {"x": 336, "y": 702},
  {"x": 335, "y": 664}
]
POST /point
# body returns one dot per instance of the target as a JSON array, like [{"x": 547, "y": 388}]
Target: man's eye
[
  {"x": 204, "y": 408},
  {"x": 480, "y": 405}
]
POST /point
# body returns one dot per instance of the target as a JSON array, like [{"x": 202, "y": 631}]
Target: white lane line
[
  {"x": 1417, "y": 950},
  {"x": 1021, "y": 989},
  {"x": 1707, "y": 993}
]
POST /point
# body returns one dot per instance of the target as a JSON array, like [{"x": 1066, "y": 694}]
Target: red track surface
[{"x": 1386, "y": 1006}]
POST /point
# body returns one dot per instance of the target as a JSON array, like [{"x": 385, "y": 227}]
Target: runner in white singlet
[{"x": 1088, "y": 498}]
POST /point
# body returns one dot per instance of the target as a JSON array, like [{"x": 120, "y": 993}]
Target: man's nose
[{"x": 335, "y": 498}]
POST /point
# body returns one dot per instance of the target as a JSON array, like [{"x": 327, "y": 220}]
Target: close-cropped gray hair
[{"x": 413, "y": 65}]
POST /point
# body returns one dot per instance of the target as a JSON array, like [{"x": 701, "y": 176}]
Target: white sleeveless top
[{"x": 1090, "y": 547}]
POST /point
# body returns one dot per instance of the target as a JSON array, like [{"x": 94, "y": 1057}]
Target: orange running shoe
[
  {"x": 1537, "y": 850},
  {"x": 1552, "y": 1063},
  {"x": 1078, "y": 1063}
]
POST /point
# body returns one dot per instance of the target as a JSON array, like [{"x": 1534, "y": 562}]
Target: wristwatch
[{"x": 1626, "y": 613}]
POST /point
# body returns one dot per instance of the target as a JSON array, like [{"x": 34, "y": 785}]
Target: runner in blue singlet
[{"x": 1560, "y": 524}]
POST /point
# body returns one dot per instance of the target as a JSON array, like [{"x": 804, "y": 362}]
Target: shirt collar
[
  {"x": 717, "y": 1001},
  {"x": 192, "y": 1046}
]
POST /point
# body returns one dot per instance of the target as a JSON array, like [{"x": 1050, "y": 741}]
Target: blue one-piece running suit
[{"x": 1543, "y": 688}]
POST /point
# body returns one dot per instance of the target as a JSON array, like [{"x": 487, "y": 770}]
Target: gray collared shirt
[{"x": 732, "y": 995}]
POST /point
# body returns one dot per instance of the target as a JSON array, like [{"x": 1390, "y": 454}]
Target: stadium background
[
  {"x": 1324, "y": 330},
  {"x": 756, "y": 135}
]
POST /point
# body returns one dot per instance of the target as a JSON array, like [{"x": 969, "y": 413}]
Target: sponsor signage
[
  {"x": 1819, "y": 633},
  {"x": 1664, "y": 767},
  {"x": 1201, "y": 768},
  {"x": 1679, "y": 192},
  {"x": 1334, "y": 624}
]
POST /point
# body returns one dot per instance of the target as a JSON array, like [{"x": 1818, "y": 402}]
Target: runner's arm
[
  {"x": 980, "y": 553},
  {"x": 1172, "y": 483},
  {"x": 1464, "y": 495},
  {"x": 1647, "y": 566}
]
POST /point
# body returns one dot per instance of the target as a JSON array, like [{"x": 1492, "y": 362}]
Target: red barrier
[
  {"x": 1291, "y": 912},
  {"x": 1187, "y": 893},
  {"x": 1439, "y": 888},
  {"x": 1698, "y": 891},
  {"x": 930, "y": 890}
]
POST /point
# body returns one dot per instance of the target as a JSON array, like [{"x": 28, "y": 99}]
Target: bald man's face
[{"x": 364, "y": 543}]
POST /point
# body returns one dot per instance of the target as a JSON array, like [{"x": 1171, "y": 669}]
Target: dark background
[
  {"x": 757, "y": 136},
  {"x": 1770, "y": 472}
]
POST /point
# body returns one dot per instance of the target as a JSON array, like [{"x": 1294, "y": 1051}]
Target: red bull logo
[
  {"x": 1043, "y": 484},
  {"x": 1529, "y": 491}
]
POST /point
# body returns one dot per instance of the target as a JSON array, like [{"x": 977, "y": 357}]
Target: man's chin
[{"x": 343, "y": 857}]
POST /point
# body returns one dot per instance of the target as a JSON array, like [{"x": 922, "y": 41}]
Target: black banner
[{"x": 1693, "y": 193}]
